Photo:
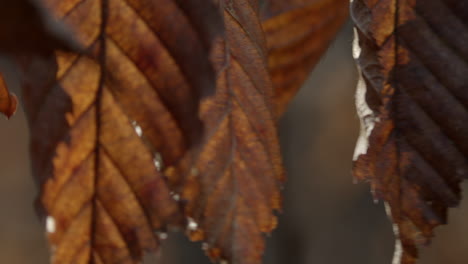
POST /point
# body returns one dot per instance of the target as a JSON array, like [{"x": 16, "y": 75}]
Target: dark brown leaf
[
  {"x": 297, "y": 39},
  {"x": 413, "y": 105},
  {"x": 234, "y": 184},
  {"x": 8, "y": 101},
  {"x": 101, "y": 120},
  {"x": 273, "y": 8},
  {"x": 23, "y": 29}
]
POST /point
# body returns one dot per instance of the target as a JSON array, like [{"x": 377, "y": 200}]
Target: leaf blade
[
  {"x": 24, "y": 29},
  {"x": 233, "y": 188},
  {"x": 297, "y": 36},
  {"x": 416, "y": 157},
  {"x": 101, "y": 118}
]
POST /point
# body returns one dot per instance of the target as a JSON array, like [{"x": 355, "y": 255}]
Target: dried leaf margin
[
  {"x": 8, "y": 101},
  {"x": 414, "y": 71}
]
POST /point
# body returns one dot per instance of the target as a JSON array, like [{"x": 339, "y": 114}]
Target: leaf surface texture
[
  {"x": 413, "y": 104},
  {"x": 102, "y": 120},
  {"x": 233, "y": 189},
  {"x": 297, "y": 37}
]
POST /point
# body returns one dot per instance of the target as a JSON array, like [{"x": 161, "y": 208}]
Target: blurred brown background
[{"x": 327, "y": 219}]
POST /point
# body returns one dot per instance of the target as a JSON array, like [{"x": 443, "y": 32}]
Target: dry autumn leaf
[
  {"x": 163, "y": 114},
  {"x": 273, "y": 8},
  {"x": 234, "y": 185},
  {"x": 102, "y": 120},
  {"x": 297, "y": 36},
  {"x": 24, "y": 29},
  {"x": 8, "y": 101},
  {"x": 413, "y": 105}
]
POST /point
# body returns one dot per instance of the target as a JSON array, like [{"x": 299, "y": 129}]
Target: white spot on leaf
[
  {"x": 162, "y": 235},
  {"x": 191, "y": 224},
  {"x": 50, "y": 224},
  {"x": 137, "y": 128},
  {"x": 158, "y": 161},
  {"x": 138, "y": 131},
  {"x": 175, "y": 196}
]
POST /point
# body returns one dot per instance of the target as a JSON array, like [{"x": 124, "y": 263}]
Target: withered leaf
[
  {"x": 23, "y": 29},
  {"x": 413, "y": 105},
  {"x": 8, "y": 101},
  {"x": 296, "y": 40},
  {"x": 273, "y": 8},
  {"x": 100, "y": 120},
  {"x": 234, "y": 185}
]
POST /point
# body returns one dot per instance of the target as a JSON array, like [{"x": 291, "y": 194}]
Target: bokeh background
[{"x": 327, "y": 219}]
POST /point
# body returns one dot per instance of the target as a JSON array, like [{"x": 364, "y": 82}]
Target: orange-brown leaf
[
  {"x": 234, "y": 187},
  {"x": 102, "y": 119},
  {"x": 8, "y": 101},
  {"x": 413, "y": 104},
  {"x": 296, "y": 39}
]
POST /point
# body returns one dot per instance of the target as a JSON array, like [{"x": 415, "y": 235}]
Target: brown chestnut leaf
[
  {"x": 297, "y": 36},
  {"x": 101, "y": 120},
  {"x": 233, "y": 188},
  {"x": 413, "y": 104},
  {"x": 24, "y": 28}
]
